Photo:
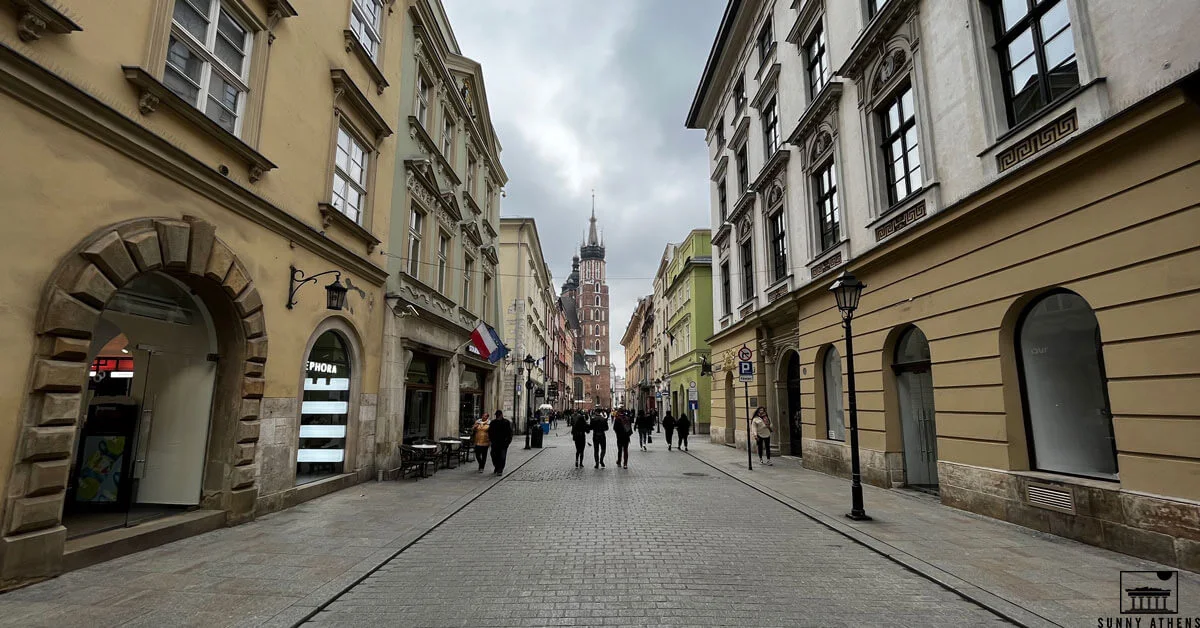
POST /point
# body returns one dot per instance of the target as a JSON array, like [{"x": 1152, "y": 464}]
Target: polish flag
[{"x": 487, "y": 342}]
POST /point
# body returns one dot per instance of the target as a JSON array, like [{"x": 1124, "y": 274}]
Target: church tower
[{"x": 588, "y": 285}]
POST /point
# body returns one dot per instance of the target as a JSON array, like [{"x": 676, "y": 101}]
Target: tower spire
[{"x": 593, "y": 238}]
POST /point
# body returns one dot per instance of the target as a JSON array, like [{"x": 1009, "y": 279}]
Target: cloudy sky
[{"x": 588, "y": 94}]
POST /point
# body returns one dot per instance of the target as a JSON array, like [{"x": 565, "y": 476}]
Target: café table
[
  {"x": 464, "y": 448},
  {"x": 449, "y": 445},
  {"x": 427, "y": 450}
]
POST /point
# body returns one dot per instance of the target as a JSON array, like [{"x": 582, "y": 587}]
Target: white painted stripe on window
[
  {"x": 324, "y": 407},
  {"x": 334, "y": 383},
  {"x": 320, "y": 455},
  {"x": 322, "y": 431}
]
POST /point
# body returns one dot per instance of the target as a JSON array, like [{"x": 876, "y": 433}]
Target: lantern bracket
[{"x": 299, "y": 279}]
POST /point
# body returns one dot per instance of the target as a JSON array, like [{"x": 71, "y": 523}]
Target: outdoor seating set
[{"x": 424, "y": 455}]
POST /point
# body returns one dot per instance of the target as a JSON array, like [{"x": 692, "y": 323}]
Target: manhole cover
[{"x": 696, "y": 475}]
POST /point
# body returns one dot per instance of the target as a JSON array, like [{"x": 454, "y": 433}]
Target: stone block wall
[
  {"x": 878, "y": 468},
  {"x": 278, "y": 440}
]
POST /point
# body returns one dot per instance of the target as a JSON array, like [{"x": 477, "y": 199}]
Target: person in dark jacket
[
  {"x": 645, "y": 426},
  {"x": 668, "y": 424},
  {"x": 579, "y": 430},
  {"x": 500, "y": 433},
  {"x": 623, "y": 429},
  {"x": 599, "y": 440},
  {"x": 683, "y": 425}
]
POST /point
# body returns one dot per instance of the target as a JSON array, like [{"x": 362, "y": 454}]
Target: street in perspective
[{"x": 565, "y": 313}]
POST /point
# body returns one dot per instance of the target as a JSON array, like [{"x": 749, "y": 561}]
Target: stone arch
[
  {"x": 72, "y": 302},
  {"x": 895, "y": 60},
  {"x": 789, "y": 401}
]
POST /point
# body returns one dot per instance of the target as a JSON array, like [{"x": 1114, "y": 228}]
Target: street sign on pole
[
  {"x": 745, "y": 354},
  {"x": 749, "y": 458},
  {"x": 746, "y": 371},
  {"x": 693, "y": 394}
]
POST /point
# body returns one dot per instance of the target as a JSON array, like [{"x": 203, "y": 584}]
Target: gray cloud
[{"x": 590, "y": 95}]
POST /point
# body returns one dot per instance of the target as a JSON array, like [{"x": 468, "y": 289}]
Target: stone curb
[
  {"x": 1008, "y": 610},
  {"x": 307, "y": 607}
]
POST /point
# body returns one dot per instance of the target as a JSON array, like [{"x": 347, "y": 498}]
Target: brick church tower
[{"x": 587, "y": 286}]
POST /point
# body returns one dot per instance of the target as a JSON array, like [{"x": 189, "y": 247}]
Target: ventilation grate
[{"x": 1051, "y": 497}]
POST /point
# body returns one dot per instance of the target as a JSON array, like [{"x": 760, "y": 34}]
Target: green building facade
[{"x": 689, "y": 311}]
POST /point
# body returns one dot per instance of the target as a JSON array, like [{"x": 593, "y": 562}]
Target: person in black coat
[
  {"x": 645, "y": 425},
  {"x": 500, "y": 432},
  {"x": 599, "y": 439},
  {"x": 579, "y": 430},
  {"x": 623, "y": 429},
  {"x": 668, "y": 424},
  {"x": 683, "y": 425}
]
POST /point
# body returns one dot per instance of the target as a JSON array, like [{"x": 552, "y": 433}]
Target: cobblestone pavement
[{"x": 649, "y": 546}]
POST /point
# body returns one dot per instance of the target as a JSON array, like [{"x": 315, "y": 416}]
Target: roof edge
[{"x": 710, "y": 66}]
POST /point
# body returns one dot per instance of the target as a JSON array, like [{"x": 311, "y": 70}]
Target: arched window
[
  {"x": 1063, "y": 383},
  {"x": 578, "y": 383},
  {"x": 325, "y": 409},
  {"x": 832, "y": 373}
]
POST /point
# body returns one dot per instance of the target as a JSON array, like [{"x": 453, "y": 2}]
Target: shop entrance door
[
  {"x": 793, "y": 405},
  {"x": 914, "y": 386}
]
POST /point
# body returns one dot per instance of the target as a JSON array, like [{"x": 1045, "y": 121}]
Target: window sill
[
  {"x": 153, "y": 93},
  {"x": 779, "y": 289},
  {"x": 330, "y": 216},
  {"x": 1042, "y": 114},
  {"x": 827, "y": 260},
  {"x": 35, "y": 17},
  {"x": 360, "y": 51},
  {"x": 1053, "y": 124}
]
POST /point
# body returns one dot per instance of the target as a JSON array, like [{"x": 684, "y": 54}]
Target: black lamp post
[
  {"x": 528, "y": 395},
  {"x": 847, "y": 290}
]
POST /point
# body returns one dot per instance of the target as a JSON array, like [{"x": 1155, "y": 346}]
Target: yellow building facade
[{"x": 174, "y": 170}]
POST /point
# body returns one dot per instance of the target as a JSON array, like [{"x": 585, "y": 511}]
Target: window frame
[
  {"x": 816, "y": 60},
  {"x": 722, "y": 199},
  {"x": 777, "y": 242},
  {"x": 828, "y": 231},
  {"x": 1031, "y": 22},
  {"x": 448, "y": 136},
  {"x": 770, "y": 124},
  {"x": 421, "y": 106},
  {"x": 888, "y": 138},
  {"x": 739, "y": 94},
  {"x": 416, "y": 237},
  {"x": 205, "y": 52},
  {"x": 374, "y": 45},
  {"x": 339, "y": 174},
  {"x": 746, "y": 253},
  {"x": 742, "y": 164},
  {"x": 468, "y": 270},
  {"x": 764, "y": 42}
]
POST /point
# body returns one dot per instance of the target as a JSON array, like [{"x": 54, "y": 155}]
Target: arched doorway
[
  {"x": 154, "y": 268},
  {"x": 141, "y": 445},
  {"x": 792, "y": 411},
  {"x": 914, "y": 387},
  {"x": 324, "y": 409},
  {"x": 1063, "y": 385},
  {"x": 832, "y": 402},
  {"x": 730, "y": 409}
]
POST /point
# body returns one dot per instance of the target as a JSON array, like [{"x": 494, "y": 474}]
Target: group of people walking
[
  {"x": 496, "y": 434},
  {"x": 624, "y": 424}
]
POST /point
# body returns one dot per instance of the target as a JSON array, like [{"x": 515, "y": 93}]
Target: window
[
  {"x": 448, "y": 138},
  {"x": 902, "y": 163},
  {"x": 364, "y": 23},
  {"x": 472, "y": 165},
  {"x": 747, "y": 270},
  {"x": 874, "y": 7},
  {"x": 416, "y": 223},
  {"x": 770, "y": 124},
  {"x": 722, "y": 200},
  {"x": 349, "y": 176},
  {"x": 207, "y": 61},
  {"x": 818, "y": 63},
  {"x": 825, "y": 186},
  {"x": 491, "y": 191},
  {"x": 743, "y": 169},
  {"x": 725, "y": 296},
  {"x": 778, "y": 245},
  {"x": 835, "y": 422},
  {"x": 721, "y": 132},
  {"x": 422, "y": 106},
  {"x": 1036, "y": 50},
  {"x": 597, "y": 300},
  {"x": 468, "y": 270},
  {"x": 766, "y": 41},
  {"x": 325, "y": 406},
  {"x": 487, "y": 290},
  {"x": 1063, "y": 381},
  {"x": 739, "y": 93}
]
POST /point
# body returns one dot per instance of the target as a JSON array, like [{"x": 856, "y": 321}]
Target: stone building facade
[
  {"x": 443, "y": 258},
  {"x": 529, "y": 308},
  {"x": 587, "y": 288},
  {"x": 170, "y": 357},
  {"x": 1014, "y": 189}
]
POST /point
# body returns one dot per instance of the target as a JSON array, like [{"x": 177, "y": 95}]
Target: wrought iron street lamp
[
  {"x": 529, "y": 361},
  {"x": 335, "y": 293},
  {"x": 846, "y": 291}
]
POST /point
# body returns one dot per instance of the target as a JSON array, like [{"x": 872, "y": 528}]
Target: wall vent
[{"x": 1051, "y": 497}]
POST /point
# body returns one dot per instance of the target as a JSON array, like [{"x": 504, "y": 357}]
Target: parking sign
[{"x": 745, "y": 371}]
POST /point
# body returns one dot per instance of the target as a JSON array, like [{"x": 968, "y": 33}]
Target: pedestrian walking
[
  {"x": 668, "y": 425},
  {"x": 500, "y": 433},
  {"x": 683, "y": 425},
  {"x": 479, "y": 436},
  {"x": 579, "y": 430},
  {"x": 599, "y": 439},
  {"x": 762, "y": 434},
  {"x": 645, "y": 428},
  {"x": 623, "y": 430}
]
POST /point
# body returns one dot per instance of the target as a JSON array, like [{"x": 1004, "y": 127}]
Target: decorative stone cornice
[
  {"x": 345, "y": 91},
  {"x": 36, "y": 17},
  {"x": 821, "y": 109},
  {"x": 719, "y": 170},
  {"x": 766, "y": 87},
  {"x": 773, "y": 167},
  {"x": 806, "y": 16},
  {"x": 743, "y": 205},
  {"x": 331, "y": 216},
  {"x": 154, "y": 93},
  {"x": 354, "y": 46},
  {"x": 740, "y": 132},
  {"x": 871, "y": 43},
  {"x": 418, "y": 132}
]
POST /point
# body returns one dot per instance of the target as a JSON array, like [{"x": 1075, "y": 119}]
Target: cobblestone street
[{"x": 553, "y": 545}]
